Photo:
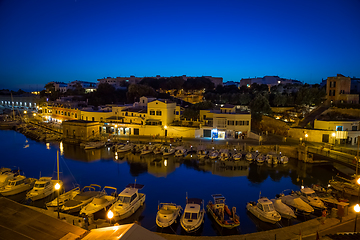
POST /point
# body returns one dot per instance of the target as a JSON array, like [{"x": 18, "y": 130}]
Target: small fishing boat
[
  {"x": 42, "y": 188},
  {"x": 193, "y": 216},
  {"x": 125, "y": 148},
  {"x": 201, "y": 152},
  {"x": 295, "y": 202},
  {"x": 260, "y": 158},
  {"x": 102, "y": 202},
  {"x": 86, "y": 195},
  {"x": 249, "y": 156},
  {"x": 309, "y": 196},
  {"x": 224, "y": 154},
  {"x": 264, "y": 210},
  {"x": 237, "y": 156},
  {"x": 63, "y": 198},
  {"x": 221, "y": 213},
  {"x": 129, "y": 200},
  {"x": 180, "y": 151},
  {"x": 284, "y": 210},
  {"x": 167, "y": 214},
  {"x": 146, "y": 149},
  {"x": 157, "y": 149},
  {"x": 284, "y": 159},
  {"x": 168, "y": 150},
  {"x": 214, "y": 154},
  {"x": 93, "y": 145},
  {"x": 17, "y": 184}
]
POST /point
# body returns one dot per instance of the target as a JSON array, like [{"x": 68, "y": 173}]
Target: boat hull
[
  {"x": 228, "y": 225},
  {"x": 130, "y": 211},
  {"x": 253, "y": 209}
]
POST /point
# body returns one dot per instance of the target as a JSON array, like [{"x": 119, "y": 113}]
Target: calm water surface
[{"x": 165, "y": 179}]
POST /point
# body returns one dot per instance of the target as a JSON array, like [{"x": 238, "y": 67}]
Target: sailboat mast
[{"x": 57, "y": 162}]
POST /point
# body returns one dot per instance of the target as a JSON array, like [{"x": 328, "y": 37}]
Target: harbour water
[{"x": 167, "y": 179}]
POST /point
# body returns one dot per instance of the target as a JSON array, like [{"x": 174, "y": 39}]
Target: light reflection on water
[{"x": 166, "y": 179}]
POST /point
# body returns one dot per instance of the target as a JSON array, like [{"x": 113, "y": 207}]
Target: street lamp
[
  {"x": 333, "y": 135},
  {"x": 57, "y": 187},
  {"x": 357, "y": 210},
  {"x": 110, "y": 215}
]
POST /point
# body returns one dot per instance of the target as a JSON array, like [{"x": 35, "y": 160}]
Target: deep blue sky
[{"x": 63, "y": 40}]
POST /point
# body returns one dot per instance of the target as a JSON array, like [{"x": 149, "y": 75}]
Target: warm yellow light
[
  {"x": 57, "y": 186},
  {"x": 358, "y": 181},
  {"x": 115, "y": 125},
  {"x": 302, "y": 187},
  {"x": 25, "y": 112},
  {"x": 333, "y": 134},
  {"x": 165, "y": 162},
  {"x": 34, "y": 114},
  {"x": 110, "y": 214},
  {"x": 165, "y": 127},
  {"x": 306, "y": 135},
  {"x": 357, "y": 208}
]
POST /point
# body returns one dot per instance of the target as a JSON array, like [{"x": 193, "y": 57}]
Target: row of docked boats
[
  {"x": 193, "y": 216},
  {"x": 201, "y": 152},
  {"x": 303, "y": 202}
]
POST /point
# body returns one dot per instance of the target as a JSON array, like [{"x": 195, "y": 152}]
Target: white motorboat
[
  {"x": 214, "y": 154},
  {"x": 193, "y": 216},
  {"x": 17, "y": 184},
  {"x": 309, "y": 196},
  {"x": 284, "y": 210},
  {"x": 5, "y": 175},
  {"x": 167, "y": 214},
  {"x": 102, "y": 202},
  {"x": 180, "y": 151},
  {"x": 297, "y": 204},
  {"x": 125, "y": 148},
  {"x": 168, "y": 150},
  {"x": 157, "y": 149},
  {"x": 264, "y": 210},
  {"x": 146, "y": 149},
  {"x": 93, "y": 145},
  {"x": 42, "y": 188},
  {"x": 224, "y": 154},
  {"x": 128, "y": 202},
  {"x": 249, "y": 156},
  {"x": 63, "y": 198},
  {"x": 201, "y": 152},
  {"x": 114, "y": 147},
  {"x": 86, "y": 195}
]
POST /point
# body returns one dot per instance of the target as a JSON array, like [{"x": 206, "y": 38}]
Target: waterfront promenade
[{"x": 307, "y": 229}]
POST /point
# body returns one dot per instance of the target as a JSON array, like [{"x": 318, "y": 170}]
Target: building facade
[{"x": 338, "y": 90}]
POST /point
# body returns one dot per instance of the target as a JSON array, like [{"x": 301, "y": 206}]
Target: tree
[
  {"x": 259, "y": 105},
  {"x": 50, "y": 87},
  {"x": 135, "y": 91}
]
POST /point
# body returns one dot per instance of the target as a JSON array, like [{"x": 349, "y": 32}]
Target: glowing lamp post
[
  {"x": 333, "y": 135},
  {"x": 357, "y": 210},
  {"x": 57, "y": 187},
  {"x": 110, "y": 215}
]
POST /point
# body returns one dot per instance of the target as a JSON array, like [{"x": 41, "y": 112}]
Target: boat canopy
[
  {"x": 194, "y": 201},
  {"x": 218, "y": 198},
  {"x": 307, "y": 191},
  {"x": 135, "y": 185}
]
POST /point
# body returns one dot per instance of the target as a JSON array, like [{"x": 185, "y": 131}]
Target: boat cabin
[
  {"x": 192, "y": 209},
  {"x": 129, "y": 194},
  {"x": 308, "y": 192},
  {"x": 43, "y": 182},
  {"x": 264, "y": 204},
  {"x": 219, "y": 200},
  {"x": 17, "y": 181}
]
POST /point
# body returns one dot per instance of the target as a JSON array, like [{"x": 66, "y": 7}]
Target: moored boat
[
  {"x": 193, "y": 216},
  {"x": 157, "y": 149},
  {"x": 86, "y": 195},
  {"x": 168, "y": 150},
  {"x": 102, "y": 202},
  {"x": 93, "y": 145},
  {"x": 264, "y": 210},
  {"x": 309, "y": 196},
  {"x": 146, "y": 149},
  {"x": 221, "y": 213},
  {"x": 295, "y": 202},
  {"x": 63, "y": 198},
  {"x": 129, "y": 200},
  {"x": 167, "y": 214},
  {"x": 284, "y": 210},
  {"x": 42, "y": 188},
  {"x": 180, "y": 151},
  {"x": 17, "y": 184}
]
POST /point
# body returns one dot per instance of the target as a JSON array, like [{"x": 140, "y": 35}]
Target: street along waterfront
[{"x": 166, "y": 179}]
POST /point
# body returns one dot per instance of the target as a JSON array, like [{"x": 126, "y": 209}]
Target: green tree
[
  {"x": 135, "y": 91},
  {"x": 259, "y": 106}
]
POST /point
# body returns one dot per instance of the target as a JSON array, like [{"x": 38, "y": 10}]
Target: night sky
[{"x": 61, "y": 40}]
